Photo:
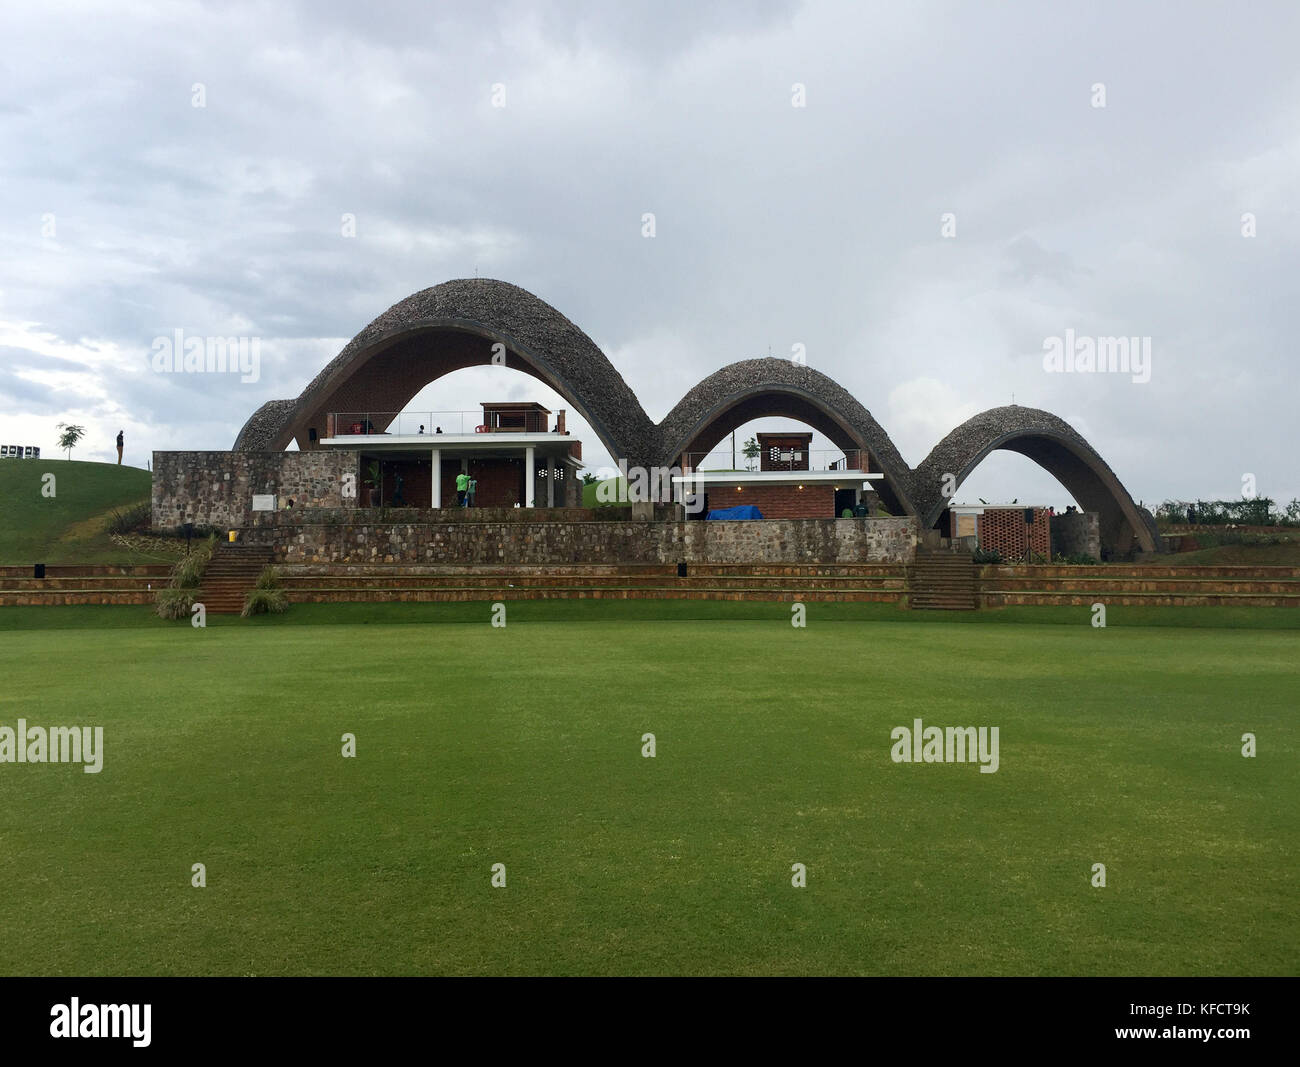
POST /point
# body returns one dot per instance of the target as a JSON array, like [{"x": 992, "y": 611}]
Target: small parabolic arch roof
[{"x": 1054, "y": 445}]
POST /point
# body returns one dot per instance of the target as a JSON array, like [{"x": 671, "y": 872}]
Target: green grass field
[
  {"x": 71, "y": 525},
  {"x": 522, "y": 746}
]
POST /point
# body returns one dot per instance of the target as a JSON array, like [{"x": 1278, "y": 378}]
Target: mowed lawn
[{"x": 522, "y": 746}]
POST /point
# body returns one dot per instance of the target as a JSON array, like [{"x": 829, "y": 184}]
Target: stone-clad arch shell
[
  {"x": 447, "y": 328},
  {"x": 1053, "y": 444},
  {"x": 759, "y": 388}
]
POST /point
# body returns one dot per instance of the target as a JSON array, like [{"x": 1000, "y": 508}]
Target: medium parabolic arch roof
[
  {"x": 757, "y": 388},
  {"x": 1053, "y": 444},
  {"x": 456, "y": 324}
]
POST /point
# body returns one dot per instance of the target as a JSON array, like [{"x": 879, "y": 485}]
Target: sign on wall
[{"x": 263, "y": 502}]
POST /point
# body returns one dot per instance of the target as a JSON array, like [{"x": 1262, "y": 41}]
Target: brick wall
[
  {"x": 417, "y": 478},
  {"x": 500, "y": 482},
  {"x": 779, "y": 501},
  {"x": 328, "y": 537},
  {"x": 217, "y": 488},
  {"x": 1003, "y": 530}
]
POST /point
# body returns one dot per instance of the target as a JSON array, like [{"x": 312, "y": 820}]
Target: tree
[
  {"x": 70, "y": 436},
  {"x": 589, "y": 479},
  {"x": 751, "y": 451}
]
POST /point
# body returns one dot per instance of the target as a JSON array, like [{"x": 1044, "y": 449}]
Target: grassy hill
[
  {"x": 72, "y": 525},
  {"x": 1280, "y": 555},
  {"x": 589, "y": 492}
]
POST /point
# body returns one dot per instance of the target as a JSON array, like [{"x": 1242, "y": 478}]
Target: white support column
[
  {"x": 436, "y": 466},
  {"x": 530, "y": 477},
  {"x": 550, "y": 483}
]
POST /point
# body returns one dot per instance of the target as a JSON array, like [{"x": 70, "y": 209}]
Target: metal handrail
[
  {"x": 780, "y": 459},
  {"x": 430, "y": 423}
]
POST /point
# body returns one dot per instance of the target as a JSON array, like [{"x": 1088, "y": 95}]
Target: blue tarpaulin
[{"x": 742, "y": 511}]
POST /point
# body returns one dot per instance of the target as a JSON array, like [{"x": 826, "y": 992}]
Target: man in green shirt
[{"x": 462, "y": 488}]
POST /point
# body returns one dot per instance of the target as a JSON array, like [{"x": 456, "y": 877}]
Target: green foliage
[
  {"x": 70, "y": 436},
  {"x": 986, "y": 555},
  {"x": 751, "y": 452},
  {"x": 175, "y": 603},
  {"x": 265, "y": 600},
  {"x": 1076, "y": 559},
  {"x": 130, "y": 520},
  {"x": 269, "y": 578},
  {"x": 1212, "y": 539},
  {"x": 188, "y": 572},
  {"x": 1257, "y": 511},
  {"x": 200, "y": 531}
]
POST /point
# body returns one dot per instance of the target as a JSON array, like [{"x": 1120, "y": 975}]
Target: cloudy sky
[{"x": 128, "y": 212}]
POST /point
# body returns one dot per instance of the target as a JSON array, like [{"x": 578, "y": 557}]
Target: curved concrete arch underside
[{"x": 455, "y": 325}]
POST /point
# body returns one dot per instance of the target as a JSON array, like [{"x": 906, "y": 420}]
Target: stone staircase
[
  {"x": 942, "y": 580},
  {"x": 229, "y": 575}
]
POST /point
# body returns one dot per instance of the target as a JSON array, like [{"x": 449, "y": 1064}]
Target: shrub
[
  {"x": 130, "y": 520},
  {"x": 177, "y": 598},
  {"x": 1077, "y": 559},
  {"x": 268, "y": 579},
  {"x": 188, "y": 572},
  {"x": 175, "y": 603},
  {"x": 261, "y": 601},
  {"x": 986, "y": 555}
]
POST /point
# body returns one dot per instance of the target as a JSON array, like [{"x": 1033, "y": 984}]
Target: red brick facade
[
  {"x": 784, "y": 451},
  {"x": 1003, "y": 530},
  {"x": 779, "y": 501}
]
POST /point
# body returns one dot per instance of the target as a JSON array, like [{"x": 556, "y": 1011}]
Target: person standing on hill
[{"x": 119, "y": 447}]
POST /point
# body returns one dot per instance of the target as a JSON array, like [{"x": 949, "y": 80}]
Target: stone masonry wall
[
  {"x": 1078, "y": 533},
  {"x": 296, "y": 540},
  {"x": 217, "y": 488}
]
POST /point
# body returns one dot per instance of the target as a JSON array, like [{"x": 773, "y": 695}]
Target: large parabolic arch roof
[{"x": 463, "y": 323}]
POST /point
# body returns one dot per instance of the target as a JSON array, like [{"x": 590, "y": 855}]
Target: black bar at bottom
[{"x": 1229, "y": 1016}]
